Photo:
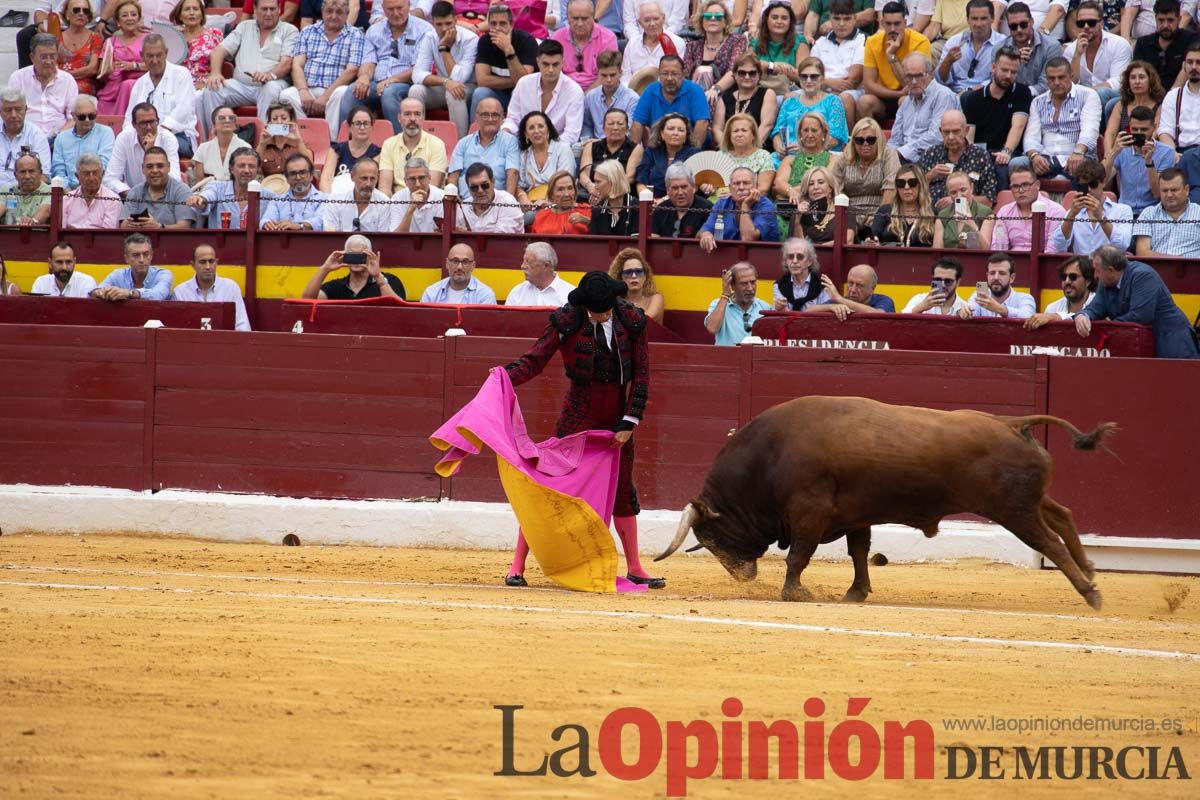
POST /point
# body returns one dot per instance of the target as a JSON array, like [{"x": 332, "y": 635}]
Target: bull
[{"x": 815, "y": 469}]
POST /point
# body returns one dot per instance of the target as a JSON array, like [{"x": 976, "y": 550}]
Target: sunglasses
[
  {"x": 943, "y": 281},
  {"x": 865, "y": 139},
  {"x": 1094, "y": 184},
  {"x": 746, "y": 321},
  {"x": 810, "y": 76},
  {"x": 357, "y": 223},
  {"x": 1070, "y": 276},
  {"x": 715, "y": 15},
  {"x": 479, "y": 187},
  {"x": 1087, "y": 23},
  {"x": 82, "y": 117},
  {"x": 633, "y": 272},
  {"x": 1019, "y": 26},
  {"x": 971, "y": 68},
  {"x": 82, "y": 10},
  {"x": 908, "y": 183},
  {"x": 747, "y": 73}
]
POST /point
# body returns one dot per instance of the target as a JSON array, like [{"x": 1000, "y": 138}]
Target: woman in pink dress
[
  {"x": 190, "y": 19},
  {"x": 122, "y": 63}
]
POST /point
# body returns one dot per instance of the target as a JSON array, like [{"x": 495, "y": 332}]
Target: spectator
[
  {"x": 1098, "y": 58},
  {"x": 672, "y": 94},
  {"x": 1048, "y": 16},
  {"x": 444, "y": 75},
  {"x": 130, "y": 148},
  {"x": 1035, "y": 48},
  {"x": 747, "y": 95},
  {"x": 1131, "y": 291},
  {"x": 1078, "y": 280},
  {"x": 303, "y": 207},
  {"x": 840, "y": 49},
  {"x": 639, "y": 61},
  {"x": 883, "y": 76},
  {"x": 780, "y": 46},
  {"x": 564, "y": 214},
  {"x": 675, "y": 16},
  {"x": 50, "y": 91},
  {"x": 167, "y": 87},
  {"x": 491, "y": 209},
  {"x": 1165, "y": 47},
  {"x": 1013, "y": 230},
  {"x": 363, "y": 280},
  {"x": 1138, "y": 161},
  {"x": 159, "y": 200},
  {"x": 208, "y": 287},
  {"x": 263, "y": 50},
  {"x": 731, "y": 316},
  {"x": 963, "y": 222},
  {"x": 1064, "y": 123},
  {"x": 744, "y": 215},
  {"x": 550, "y": 93},
  {"x": 80, "y": 47},
  {"x": 504, "y": 56},
  {"x": 1002, "y": 300},
  {"x": 27, "y": 200},
  {"x": 63, "y": 280},
  {"x": 190, "y": 20},
  {"x": 121, "y": 64},
  {"x": 460, "y": 286},
  {"x": 708, "y": 59},
  {"x": 1179, "y": 122},
  {"x": 328, "y": 59},
  {"x": 411, "y": 142},
  {"x": 1106, "y": 222},
  {"x": 740, "y": 142},
  {"x": 153, "y": 10},
  {"x": 813, "y": 99},
  {"x": 310, "y": 13},
  {"x": 231, "y": 197},
  {"x": 140, "y": 279},
  {"x": 955, "y": 154},
  {"x": 84, "y": 137},
  {"x": 908, "y": 220},
  {"x": 1139, "y": 89},
  {"x": 799, "y": 288},
  {"x": 281, "y": 139},
  {"x": 967, "y": 57},
  {"x": 363, "y": 207},
  {"x": 997, "y": 112},
  {"x": 615, "y": 213},
  {"x": 820, "y": 21},
  {"x": 860, "y": 296},
  {"x": 928, "y": 100},
  {"x": 542, "y": 154},
  {"x": 1169, "y": 228},
  {"x": 1139, "y": 18},
  {"x": 613, "y": 145},
  {"x": 7, "y": 287},
  {"x": 421, "y": 211},
  {"x": 668, "y": 144},
  {"x": 583, "y": 40},
  {"x": 212, "y": 157},
  {"x": 391, "y": 50},
  {"x": 943, "y": 296},
  {"x": 1112, "y": 17},
  {"x": 608, "y": 95},
  {"x": 343, "y": 156},
  {"x": 866, "y": 172},
  {"x": 90, "y": 204},
  {"x": 488, "y": 145},
  {"x": 630, "y": 266},
  {"x": 814, "y": 212},
  {"x": 682, "y": 212},
  {"x": 542, "y": 285},
  {"x": 18, "y": 135}
]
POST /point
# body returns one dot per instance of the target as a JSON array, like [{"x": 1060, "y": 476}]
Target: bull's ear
[{"x": 704, "y": 511}]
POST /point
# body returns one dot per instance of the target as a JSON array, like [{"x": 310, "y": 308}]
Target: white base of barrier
[{"x": 400, "y": 523}]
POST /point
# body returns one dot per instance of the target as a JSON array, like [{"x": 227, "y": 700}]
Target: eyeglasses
[
  {"x": 488, "y": 115},
  {"x": 479, "y": 187},
  {"x": 633, "y": 272},
  {"x": 971, "y": 68},
  {"x": 914, "y": 76},
  {"x": 82, "y": 117},
  {"x": 578, "y": 55},
  {"x": 298, "y": 174},
  {"x": 361, "y": 123},
  {"x": 944, "y": 281},
  {"x": 746, "y": 73},
  {"x": 1087, "y": 23},
  {"x": 716, "y": 15},
  {"x": 746, "y": 321},
  {"x": 1071, "y": 277},
  {"x": 1019, "y": 26},
  {"x": 811, "y": 76},
  {"x": 795, "y": 256},
  {"x": 908, "y": 183},
  {"x": 1020, "y": 187},
  {"x": 460, "y": 262},
  {"x": 226, "y": 118},
  {"x": 865, "y": 139}
]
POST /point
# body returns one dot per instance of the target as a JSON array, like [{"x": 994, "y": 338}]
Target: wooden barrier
[{"x": 31, "y": 310}]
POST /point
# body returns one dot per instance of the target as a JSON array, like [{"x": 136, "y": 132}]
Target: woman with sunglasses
[
  {"x": 79, "y": 47},
  {"x": 616, "y": 213},
  {"x": 565, "y": 214},
  {"x": 812, "y": 99},
  {"x": 779, "y": 47},
  {"x": 192, "y": 22},
  {"x": 812, "y": 152},
  {"x": 342, "y": 156},
  {"x": 1140, "y": 86},
  {"x": 909, "y": 221},
  {"x": 739, "y": 141},
  {"x": 613, "y": 146},
  {"x": 708, "y": 59},
  {"x": 631, "y": 266},
  {"x": 212, "y": 156},
  {"x": 276, "y": 148},
  {"x": 668, "y": 144},
  {"x": 867, "y": 172},
  {"x": 121, "y": 64},
  {"x": 747, "y": 95}
]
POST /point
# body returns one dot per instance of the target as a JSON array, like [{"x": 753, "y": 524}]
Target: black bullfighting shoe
[
  {"x": 515, "y": 580},
  {"x": 652, "y": 583}
]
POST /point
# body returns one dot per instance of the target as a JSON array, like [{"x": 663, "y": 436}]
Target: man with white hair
[
  {"x": 675, "y": 16},
  {"x": 49, "y": 91},
  {"x": 18, "y": 135},
  {"x": 682, "y": 212},
  {"x": 169, "y": 88},
  {"x": 91, "y": 204},
  {"x": 420, "y": 209},
  {"x": 363, "y": 280},
  {"x": 649, "y": 40},
  {"x": 85, "y": 137},
  {"x": 914, "y": 131},
  {"x": 542, "y": 285}
]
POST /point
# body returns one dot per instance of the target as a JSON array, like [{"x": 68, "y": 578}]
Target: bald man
[
  {"x": 860, "y": 296},
  {"x": 955, "y": 154}
]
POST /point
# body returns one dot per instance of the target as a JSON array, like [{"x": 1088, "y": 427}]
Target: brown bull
[{"x": 814, "y": 469}]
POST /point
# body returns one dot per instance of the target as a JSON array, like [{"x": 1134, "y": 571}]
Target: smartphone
[
  {"x": 143, "y": 214},
  {"x": 1139, "y": 140},
  {"x": 354, "y": 258},
  {"x": 961, "y": 207},
  {"x": 936, "y": 288},
  {"x": 982, "y": 289},
  {"x": 278, "y": 129}
]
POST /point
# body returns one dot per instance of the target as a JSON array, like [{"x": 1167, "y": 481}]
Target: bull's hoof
[
  {"x": 1089, "y": 570},
  {"x": 797, "y": 594},
  {"x": 856, "y": 595},
  {"x": 1093, "y": 598}
]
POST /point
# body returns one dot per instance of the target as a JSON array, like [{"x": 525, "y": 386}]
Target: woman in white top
[
  {"x": 212, "y": 157},
  {"x": 541, "y": 155}
]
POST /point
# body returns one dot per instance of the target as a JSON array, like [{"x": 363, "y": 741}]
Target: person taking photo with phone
[
  {"x": 942, "y": 297},
  {"x": 364, "y": 279},
  {"x": 1137, "y": 161},
  {"x": 996, "y": 297}
]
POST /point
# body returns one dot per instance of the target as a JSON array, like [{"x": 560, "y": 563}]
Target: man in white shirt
[
  {"x": 207, "y": 287},
  {"x": 841, "y": 51},
  {"x": 1093, "y": 219},
  {"x": 444, "y": 75},
  {"x": 675, "y": 16},
  {"x": 1078, "y": 278},
  {"x": 421, "y": 209},
  {"x": 17, "y": 134},
  {"x": 943, "y": 297},
  {"x": 647, "y": 47},
  {"x": 550, "y": 91},
  {"x": 63, "y": 280},
  {"x": 1098, "y": 58},
  {"x": 167, "y": 87},
  {"x": 129, "y": 150},
  {"x": 1002, "y": 300},
  {"x": 542, "y": 286},
  {"x": 1064, "y": 124},
  {"x": 49, "y": 91},
  {"x": 490, "y": 209},
  {"x": 1179, "y": 122},
  {"x": 363, "y": 207}
]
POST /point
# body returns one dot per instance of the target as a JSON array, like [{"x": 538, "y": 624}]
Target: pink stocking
[
  {"x": 520, "y": 553},
  {"x": 627, "y": 530}
]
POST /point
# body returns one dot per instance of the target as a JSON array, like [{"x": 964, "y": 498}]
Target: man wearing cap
[{"x": 605, "y": 355}]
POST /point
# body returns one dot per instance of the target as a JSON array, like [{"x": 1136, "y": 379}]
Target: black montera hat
[{"x": 597, "y": 292}]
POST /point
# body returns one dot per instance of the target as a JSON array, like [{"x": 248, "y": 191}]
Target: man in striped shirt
[
  {"x": 327, "y": 60},
  {"x": 1064, "y": 124},
  {"x": 1172, "y": 227}
]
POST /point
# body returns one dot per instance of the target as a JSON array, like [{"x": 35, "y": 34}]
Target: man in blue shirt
[
  {"x": 389, "y": 54},
  {"x": 139, "y": 280},
  {"x": 303, "y": 207},
  {"x": 1139, "y": 166},
  {"x": 489, "y": 145},
  {"x": 731, "y": 316},
  {"x": 860, "y": 296},
  {"x": 84, "y": 137},
  {"x": 461, "y": 285},
  {"x": 672, "y": 93},
  {"x": 609, "y": 93},
  {"x": 744, "y": 215}
]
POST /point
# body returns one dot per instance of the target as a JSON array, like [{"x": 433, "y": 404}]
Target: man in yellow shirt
[
  {"x": 882, "y": 75},
  {"x": 411, "y": 142}
]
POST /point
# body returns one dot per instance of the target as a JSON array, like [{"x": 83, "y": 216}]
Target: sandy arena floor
[{"x": 155, "y": 667}]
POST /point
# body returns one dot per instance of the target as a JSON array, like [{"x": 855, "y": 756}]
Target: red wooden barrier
[{"x": 33, "y": 310}]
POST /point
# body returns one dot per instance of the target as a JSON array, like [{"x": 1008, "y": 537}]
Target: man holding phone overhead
[{"x": 364, "y": 279}]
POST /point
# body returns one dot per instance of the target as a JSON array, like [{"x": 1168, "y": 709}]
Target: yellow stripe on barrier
[{"x": 24, "y": 273}]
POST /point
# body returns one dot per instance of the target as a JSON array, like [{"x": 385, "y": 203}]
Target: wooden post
[
  {"x": 645, "y": 209},
  {"x": 841, "y": 217},
  {"x": 253, "y": 213},
  {"x": 56, "y": 207},
  {"x": 1037, "y": 246}
]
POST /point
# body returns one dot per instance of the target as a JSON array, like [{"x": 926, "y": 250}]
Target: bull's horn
[
  {"x": 685, "y": 524},
  {"x": 694, "y": 548}
]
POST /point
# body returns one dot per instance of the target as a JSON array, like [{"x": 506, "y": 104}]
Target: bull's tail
[{"x": 1079, "y": 439}]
